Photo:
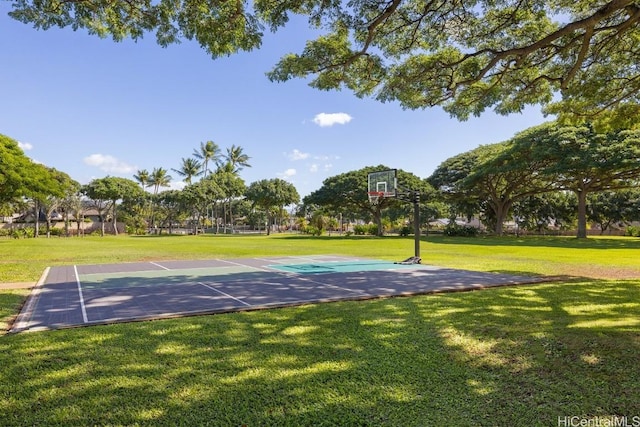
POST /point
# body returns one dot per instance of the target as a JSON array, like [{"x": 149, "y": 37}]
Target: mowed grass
[{"x": 519, "y": 356}]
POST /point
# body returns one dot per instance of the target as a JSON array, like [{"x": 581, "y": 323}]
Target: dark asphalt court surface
[{"x": 82, "y": 295}]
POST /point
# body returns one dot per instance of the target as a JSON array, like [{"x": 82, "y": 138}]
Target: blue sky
[{"x": 91, "y": 107}]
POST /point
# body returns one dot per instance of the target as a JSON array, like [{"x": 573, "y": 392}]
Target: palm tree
[
  {"x": 159, "y": 178},
  {"x": 236, "y": 159},
  {"x": 209, "y": 151},
  {"x": 190, "y": 168},
  {"x": 142, "y": 178}
]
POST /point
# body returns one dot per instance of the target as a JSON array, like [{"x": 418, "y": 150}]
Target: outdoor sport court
[{"x": 82, "y": 295}]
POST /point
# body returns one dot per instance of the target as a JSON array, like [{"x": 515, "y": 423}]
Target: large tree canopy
[
  {"x": 19, "y": 176},
  {"x": 272, "y": 195},
  {"x": 584, "y": 161},
  {"x": 347, "y": 193},
  {"x": 465, "y": 55}
]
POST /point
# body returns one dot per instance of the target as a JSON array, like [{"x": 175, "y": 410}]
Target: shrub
[
  {"x": 56, "y": 231},
  {"x": 460, "y": 230},
  {"x": 360, "y": 230},
  {"x": 633, "y": 231},
  {"x": 405, "y": 231},
  {"x": 314, "y": 231}
]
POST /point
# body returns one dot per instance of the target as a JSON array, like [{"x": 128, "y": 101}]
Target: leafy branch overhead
[{"x": 464, "y": 55}]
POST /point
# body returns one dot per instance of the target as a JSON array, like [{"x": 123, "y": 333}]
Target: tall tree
[
  {"x": 159, "y": 177},
  {"x": 189, "y": 169},
  {"x": 586, "y": 162},
  {"x": 236, "y": 159},
  {"x": 466, "y": 56},
  {"x": 347, "y": 192},
  {"x": 202, "y": 196},
  {"x": 209, "y": 152},
  {"x": 504, "y": 175},
  {"x": 142, "y": 177},
  {"x": 232, "y": 187},
  {"x": 613, "y": 207},
  {"x": 272, "y": 195},
  {"x": 581, "y": 160},
  {"x": 50, "y": 198},
  {"x": 105, "y": 194},
  {"x": 19, "y": 176}
]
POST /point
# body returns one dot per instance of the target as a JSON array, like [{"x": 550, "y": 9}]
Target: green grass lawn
[{"x": 517, "y": 356}]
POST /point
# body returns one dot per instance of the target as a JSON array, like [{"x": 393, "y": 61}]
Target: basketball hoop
[{"x": 375, "y": 196}]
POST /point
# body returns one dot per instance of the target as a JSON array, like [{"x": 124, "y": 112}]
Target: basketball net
[{"x": 375, "y": 197}]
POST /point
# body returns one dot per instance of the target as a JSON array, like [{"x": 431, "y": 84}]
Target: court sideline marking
[
  {"x": 85, "y": 319},
  {"x": 159, "y": 265},
  {"x": 243, "y": 265}
]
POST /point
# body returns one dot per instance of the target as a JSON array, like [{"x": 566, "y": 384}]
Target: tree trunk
[
  {"x": 115, "y": 222},
  {"x": 66, "y": 223},
  {"x": 582, "y": 214},
  {"x": 378, "y": 220},
  {"x": 502, "y": 209},
  {"x": 268, "y": 227}
]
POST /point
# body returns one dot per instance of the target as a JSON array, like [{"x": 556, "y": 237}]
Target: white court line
[
  {"x": 158, "y": 265},
  {"x": 328, "y": 285},
  {"x": 82, "y": 307},
  {"x": 243, "y": 265},
  {"x": 26, "y": 314},
  {"x": 271, "y": 261},
  {"x": 224, "y": 293}
]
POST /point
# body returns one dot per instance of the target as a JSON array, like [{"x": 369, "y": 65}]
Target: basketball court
[{"x": 83, "y": 295}]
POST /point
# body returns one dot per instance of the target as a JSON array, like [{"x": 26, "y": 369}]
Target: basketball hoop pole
[
  {"x": 415, "y": 196},
  {"x": 384, "y": 184}
]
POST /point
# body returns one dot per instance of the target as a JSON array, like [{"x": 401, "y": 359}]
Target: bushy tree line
[
  {"x": 28, "y": 186},
  {"x": 530, "y": 176},
  {"x": 549, "y": 175}
]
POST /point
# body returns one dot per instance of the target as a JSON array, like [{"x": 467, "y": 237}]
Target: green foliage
[
  {"x": 360, "y": 229},
  {"x": 363, "y": 229},
  {"x": 454, "y": 230},
  {"x": 313, "y": 230},
  {"x": 406, "y": 231},
  {"x": 633, "y": 231},
  {"x": 271, "y": 195},
  {"x": 347, "y": 194},
  {"x": 467, "y": 58}
]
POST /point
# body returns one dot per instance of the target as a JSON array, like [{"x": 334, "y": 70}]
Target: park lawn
[
  {"x": 508, "y": 356},
  {"x": 25, "y": 260}
]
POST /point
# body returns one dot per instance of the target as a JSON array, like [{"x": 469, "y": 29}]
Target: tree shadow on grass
[
  {"x": 542, "y": 241},
  {"x": 509, "y": 356}
]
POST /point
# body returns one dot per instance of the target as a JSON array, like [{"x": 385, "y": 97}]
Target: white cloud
[
  {"x": 288, "y": 174},
  {"x": 25, "y": 146},
  {"x": 297, "y": 155},
  {"x": 328, "y": 167},
  {"x": 330, "y": 119},
  {"x": 109, "y": 163},
  {"x": 313, "y": 168},
  {"x": 325, "y": 158}
]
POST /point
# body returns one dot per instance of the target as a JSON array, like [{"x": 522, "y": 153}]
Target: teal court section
[{"x": 341, "y": 267}]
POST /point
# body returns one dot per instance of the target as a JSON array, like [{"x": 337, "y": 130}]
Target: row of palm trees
[
  {"x": 209, "y": 153},
  {"x": 192, "y": 167}
]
